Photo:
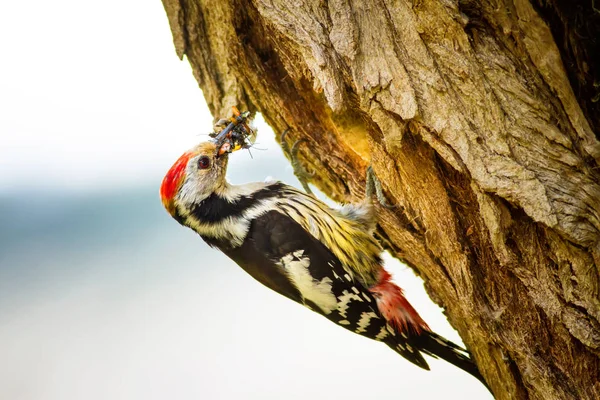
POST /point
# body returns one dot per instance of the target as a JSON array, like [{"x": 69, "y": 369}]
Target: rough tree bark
[{"x": 479, "y": 118}]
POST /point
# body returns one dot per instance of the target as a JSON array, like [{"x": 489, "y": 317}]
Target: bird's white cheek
[{"x": 193, "y": 191}]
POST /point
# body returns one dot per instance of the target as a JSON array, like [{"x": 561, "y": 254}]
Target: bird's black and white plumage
[{"x": 324, "y": 259}]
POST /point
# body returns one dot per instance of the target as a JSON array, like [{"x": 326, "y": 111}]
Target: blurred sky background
[{"x": 102, "y": 294}]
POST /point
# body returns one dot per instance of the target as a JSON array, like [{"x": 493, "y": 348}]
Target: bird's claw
[
  {"x": 302, "y": 174},
  {"x": 296, "y": 162},
  {"x": 373, "y": 185}
]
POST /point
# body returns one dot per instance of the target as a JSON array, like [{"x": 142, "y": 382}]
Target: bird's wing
[{"x": 279, "y": 253}]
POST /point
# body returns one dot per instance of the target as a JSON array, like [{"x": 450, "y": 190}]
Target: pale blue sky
[{"x": 102, "y": 295}]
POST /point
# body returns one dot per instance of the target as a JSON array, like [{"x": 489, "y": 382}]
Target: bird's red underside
[{"x": 394, "y": 306}]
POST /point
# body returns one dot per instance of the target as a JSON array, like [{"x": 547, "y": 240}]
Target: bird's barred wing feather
[{"x": 279, "y": 253}]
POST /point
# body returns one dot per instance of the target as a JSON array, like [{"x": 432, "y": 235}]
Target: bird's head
[{"x": 197, "y": 174}]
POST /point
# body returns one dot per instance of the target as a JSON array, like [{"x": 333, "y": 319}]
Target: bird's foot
[
  {"x": 374, "y": 186},
  {"x": 302, "y": 174}
]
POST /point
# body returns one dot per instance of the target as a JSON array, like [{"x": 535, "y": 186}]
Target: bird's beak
[{"x": 224, "y": 148}]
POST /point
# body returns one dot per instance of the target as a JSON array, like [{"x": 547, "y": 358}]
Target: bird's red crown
[{"x": 172, "y": 181}]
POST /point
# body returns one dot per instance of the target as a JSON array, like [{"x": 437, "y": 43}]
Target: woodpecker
[{"x": 323, "y": 258}]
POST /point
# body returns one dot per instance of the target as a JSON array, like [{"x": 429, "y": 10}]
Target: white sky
[
  {"x": 92, "y": 93},
  {"x": 92, "y": 96}
]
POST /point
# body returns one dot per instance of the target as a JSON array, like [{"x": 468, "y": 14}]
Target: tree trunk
[{"x": 481, "y": 129}]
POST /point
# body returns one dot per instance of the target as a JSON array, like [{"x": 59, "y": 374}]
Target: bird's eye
[{"x": 203, "y": 162}]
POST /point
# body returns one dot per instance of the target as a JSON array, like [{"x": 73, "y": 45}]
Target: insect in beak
[{"x": 236, "y": 135}]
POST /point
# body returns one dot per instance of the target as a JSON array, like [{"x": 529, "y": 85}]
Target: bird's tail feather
[{"x": 436, "y": 346}]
